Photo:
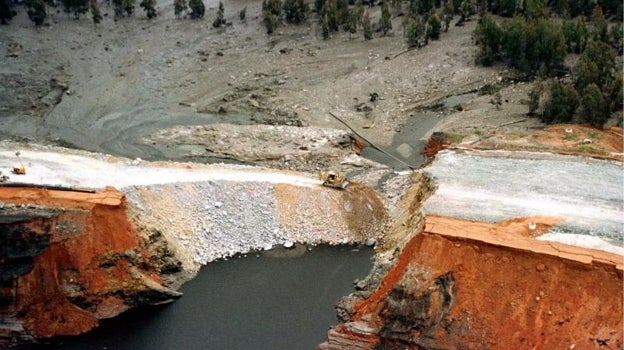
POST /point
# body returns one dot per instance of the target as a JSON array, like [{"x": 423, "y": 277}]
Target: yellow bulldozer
[
  {"x": 331, "y": 179},
  {"x": 21, "y": 170}
]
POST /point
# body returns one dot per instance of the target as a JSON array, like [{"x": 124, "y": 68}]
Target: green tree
[
  {"x": 586, "y": 73},
  {"x": 350, "y": 24},
  {"x": 447, "y": 14},
  {"x": 366, "y": 26},
  {"x": 273, "y": 7},
  {"x": 220, "y": 19},
  {"x": 415, "y": 31},
  {"x": 318, "y": 6},
  {"x": 546, "y": 48},
  {"x": 198, "y": 9},
  {"x": 149, "y": 6},
  {"x": 385, "y": 22},
  {"x": 179, "y": 7},
  {"x": 271, "y": 22},
  {"x": 466, "y": 11},
  {"x": 560, "y": 7},
  {"x": 515, "y": 43},
  {"x": 424, "y": 6},
  {"x": 118, "y": 7},
  {"x": 6, "y": 12},
  {"x": 128, "y": 6},
  {"x": 536, "y": 9},
  {"x": 331, "y": 12},
  {"x": 77, "y": 7},
  {"x": 505, "y": 8},
  {"x": 575, "y": 8},
  {"x": 594, "y": 107},
  {"x": 489, "y": 36},
  {"x": 597, "y": 64},
  {"x": 96, "y": 16},
  {"x": 296, "y": 11},
  {"x": 342, "y": 8},
  {"x": 397, "y": 6},
  {"x": 613, "y": 92},
  {"x": 611, "y": 8},
  {"x": 535, "y": 95},
  {"x": 36, "y": 11},
  {"x": 433, "y": 26},
  {"x": 599, "y": 25},
  {"x": 576, "y": 34},
  {"x": 616, "y": 37},
  {"x": 325, "y": 27},
  {"x": 559, "y": 102}
]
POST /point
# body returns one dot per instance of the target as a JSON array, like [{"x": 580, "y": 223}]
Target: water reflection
[{"x": 273, "y": 301}]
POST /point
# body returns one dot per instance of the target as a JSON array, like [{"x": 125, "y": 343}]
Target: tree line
[
  {"x": 37, "y": 9},
  {"x": 532, "y": 36},
  {"x": 536, "y": 40}
]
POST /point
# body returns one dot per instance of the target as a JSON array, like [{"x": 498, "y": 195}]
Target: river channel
[{"x": 266, "y": 301}]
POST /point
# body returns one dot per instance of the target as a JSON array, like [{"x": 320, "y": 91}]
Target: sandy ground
[{"x": 119, "y": 81}]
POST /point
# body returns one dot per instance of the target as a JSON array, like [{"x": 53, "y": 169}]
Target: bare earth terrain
[
  {"x": 180, "y": 90},
  {"x": 108, "y": 87}
]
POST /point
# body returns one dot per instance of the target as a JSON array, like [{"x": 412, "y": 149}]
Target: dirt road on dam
[
  {"x": 213, "y": 211},
  {"x": 498, "y": 185}
]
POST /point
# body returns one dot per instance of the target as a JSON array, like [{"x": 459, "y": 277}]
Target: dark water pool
[{"x": 266, "y": 302}]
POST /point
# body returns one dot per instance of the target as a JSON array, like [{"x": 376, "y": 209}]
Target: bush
[
  {"x": 270, "y": 22},
  {"x": 350, "y": 24},
  {"x": 597, "y": 65},
  {"x": 595, "y": 109},
  {"x": 576, "y": 34},
  {"x": 149, "y": 6},
  {"x": 179, "y": 7},
  {"x": 6, "y": 12},
  {"x": 414, "y": 31},
  {"x": 36, "y": 11},
  {"x": 197, "y": 9},
  {"x": 325, "y": 27},
  {"x": 96, "y": 16},
  {"x": 554, "y": 102},
  {"x": 366, "y": 27},
  {"x": 433, "y": 26},
  {"x": 296, "y": 11},
  {"x": 489, "y": 36},
  {"x": 385, "y": 22},
  {"x": 220, "y": 20}
]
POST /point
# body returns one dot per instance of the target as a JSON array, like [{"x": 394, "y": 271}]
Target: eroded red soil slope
[
  {"x": 69, "y": 259},
  {"x": 471, "y": 285}
]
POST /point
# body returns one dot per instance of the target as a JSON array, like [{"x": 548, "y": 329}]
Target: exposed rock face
[
  {"x": 468, "y": 285},
  {"x": 68, "y": 259}
]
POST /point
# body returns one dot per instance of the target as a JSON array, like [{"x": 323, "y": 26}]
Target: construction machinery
[
  {"x": 21, "y": 170},
  {"x": 331, "y": 179}
]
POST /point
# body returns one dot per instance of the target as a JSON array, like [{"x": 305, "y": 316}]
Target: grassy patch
[
  {"x": 594, "y": 135},
  {"x": 489, "y": 89},
  {"x": 571, "y": 137},
  {"x": 519, "y": 135},
  {"x": 588, "y": 149},
  {"x": 454, "y": 138}
]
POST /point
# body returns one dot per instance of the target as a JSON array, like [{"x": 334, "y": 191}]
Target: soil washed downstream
[{"x": 279, "y": 300}]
